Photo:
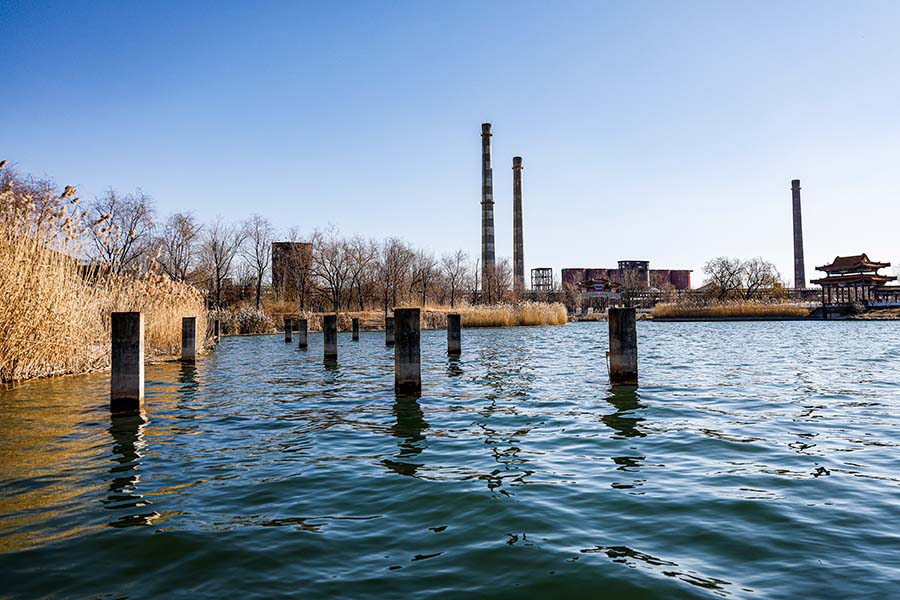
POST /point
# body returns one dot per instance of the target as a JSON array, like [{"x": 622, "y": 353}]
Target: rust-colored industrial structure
[{"x": 631, "y": 273}]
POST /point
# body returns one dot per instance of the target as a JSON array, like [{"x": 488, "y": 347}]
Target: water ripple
[{"x": 754, "y": 460}]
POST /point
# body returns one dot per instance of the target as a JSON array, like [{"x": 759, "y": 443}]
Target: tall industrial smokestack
[
  {"x": 799, "y": 269},
  {"x": 487, "y": 213},
  {"x": 518, "y": 237}
]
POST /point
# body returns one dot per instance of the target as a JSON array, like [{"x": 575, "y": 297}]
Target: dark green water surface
[{"x": 755, "y": 460}]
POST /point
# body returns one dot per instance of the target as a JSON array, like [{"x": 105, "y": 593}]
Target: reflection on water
[
  {"x": 128, "y": 449},
  {"x": 454, "y": 366},
  {"x": 187, "y": 377},
  {"x": 409, "y": 429},
  {"x": 625, "y": 400},
  {"x": 750, "y": 456}
]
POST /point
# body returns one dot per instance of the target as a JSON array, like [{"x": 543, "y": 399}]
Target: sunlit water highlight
[{"x": 755, "y": 460}]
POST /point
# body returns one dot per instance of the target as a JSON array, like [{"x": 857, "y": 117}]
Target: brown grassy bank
[
  {"x": 435, "y": 317},
  {"x": 730, "y": 310},
  {"x": 54, "y": 313}
]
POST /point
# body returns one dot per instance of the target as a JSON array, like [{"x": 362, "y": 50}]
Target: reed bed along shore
[
  {"x": 55, "y": 310},
  {"x": 435, "y": 317},
  {"x": 731, "y": 310}
]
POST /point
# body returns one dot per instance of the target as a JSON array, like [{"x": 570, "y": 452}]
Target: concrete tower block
[
  {"x": 407, "y": 351},
  {"x": 126, "y": 385}
]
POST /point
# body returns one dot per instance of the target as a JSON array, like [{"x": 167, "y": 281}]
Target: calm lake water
[{"x": 755, "y": 460}]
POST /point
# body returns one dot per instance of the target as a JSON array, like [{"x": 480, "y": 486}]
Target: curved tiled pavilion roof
[{"x": 857, "y": 263}]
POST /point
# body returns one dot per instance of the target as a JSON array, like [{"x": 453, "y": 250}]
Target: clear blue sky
[{"x": 666, "y": 131}]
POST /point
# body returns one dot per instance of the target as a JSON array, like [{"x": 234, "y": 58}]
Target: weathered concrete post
[
  {"x": 329, "y": 330},
  {"x": 188, "y": 339},
  {"x": 355, "y": 329},
  {"x": 623, "y": 356},
  {"x": 302, "y": 331},
  {"x": 389, "y": 331},
  {"x": 407, "y": 352},
  {"x": 288, "y": 325},
  {"x": 217, "y": 330},
  {"x": 454, "y": 334},
  {"x": 518, "y": 235},
  {"x": 126, "y": 384}
]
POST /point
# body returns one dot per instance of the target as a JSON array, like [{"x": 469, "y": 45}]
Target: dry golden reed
[
  {"x": 503, "y": 315},
  {"x": 54, "y": 310},
  {"x": 435, "y": 317},
  {"x": 730, "y": 310}
]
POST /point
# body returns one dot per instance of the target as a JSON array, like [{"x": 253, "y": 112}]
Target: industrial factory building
[
  {"x": 633, "y": 283},
  {"x": 635, "y": 274}
]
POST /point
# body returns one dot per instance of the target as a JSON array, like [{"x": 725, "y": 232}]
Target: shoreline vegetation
[
  {"x": 248, "y": 321},
  {"x": 743, "y": 310},
  {"x": 55, "y": 307}
]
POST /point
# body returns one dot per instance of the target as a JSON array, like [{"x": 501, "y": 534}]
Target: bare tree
[
  {"x": 475, "y": 282},
  {"x": 725, "y": 275},
  {"x": 300, "y": 268},
  {"x": 123, "y": 237},
  {"x": 363, "y": 255},
  {"x": 455, "y": 267},
  {"x": 177, "y": 245},
  {"x": 220, "y": 245},
  {"x": 424, "y": 271},
  {"x": 331, "y": 263},
  {"x": 256, "y": 249},
  {"x": 499, "y": 280},
  {"x": 758, "y": 274},
  {"x": 393, "y": 268}
]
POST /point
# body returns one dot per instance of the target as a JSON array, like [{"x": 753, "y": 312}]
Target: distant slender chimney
[
  {"x": 518, "y": 237},
  {"x": 487, "y": 213},
  {"x": 799, "y": 269}
]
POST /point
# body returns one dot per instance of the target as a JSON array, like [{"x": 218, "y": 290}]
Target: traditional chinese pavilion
[{"x": 852, "y": 279}]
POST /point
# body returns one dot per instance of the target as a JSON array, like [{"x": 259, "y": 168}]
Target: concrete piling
[
  {"x": 188, "y": 339},
  {"x": 454, "y": 334},
  {"x": 407, "y": 352},
  {"x": 302, "y": 333},
  {"x": 288, "y": 325},
  {"x": 126, "y": 384},
  {"x": 389, "y": 331},
  {"x": 329, "y": 330},
  {"x": 623, "y": 355},
  {"x": 355, "y": 329},
  {"x": 217, "y": 330}
]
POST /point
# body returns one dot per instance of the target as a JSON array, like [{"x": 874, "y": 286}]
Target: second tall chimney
[
  {"x": 799, "y": 269},
  {"x": 487, "y": 214},
  {"x": 518, "y": 236}
]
